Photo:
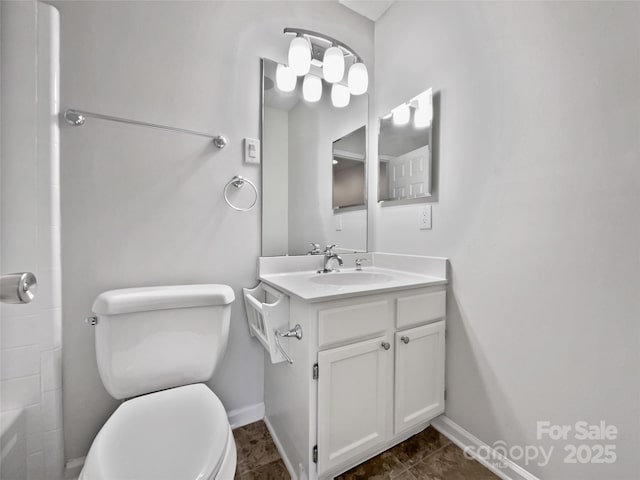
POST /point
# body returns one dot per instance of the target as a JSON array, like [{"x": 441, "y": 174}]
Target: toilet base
[{"x": 227, "y": 469}]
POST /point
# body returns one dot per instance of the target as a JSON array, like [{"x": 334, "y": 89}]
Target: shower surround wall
[
  {"x": 145, "y": 207},
  {"x": 30, "y": 335},
  {"x": 536, "y": 207}
]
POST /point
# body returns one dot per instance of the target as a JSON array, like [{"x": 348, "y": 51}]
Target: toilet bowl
[
  {"x": 155, "y": 346},
  {"x": 180, "y": 433}
]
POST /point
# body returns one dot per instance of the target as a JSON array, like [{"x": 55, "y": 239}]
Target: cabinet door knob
[
  {"x": 386, "y": 345},
  {"x": 405, "y": 339}
]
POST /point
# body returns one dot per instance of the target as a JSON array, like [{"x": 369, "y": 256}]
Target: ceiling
[{"x": 372, "y": 9}]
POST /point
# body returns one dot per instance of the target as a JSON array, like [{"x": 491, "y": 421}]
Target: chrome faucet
[{"x": 328, "y": 256}]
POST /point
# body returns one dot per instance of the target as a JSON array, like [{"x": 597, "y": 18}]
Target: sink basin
[{"x": 351, "y": 278}]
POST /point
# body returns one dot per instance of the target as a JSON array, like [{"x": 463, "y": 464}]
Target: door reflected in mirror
[
  {"x": 404, "y": 150},
  {"x": 313, "y": 170}
]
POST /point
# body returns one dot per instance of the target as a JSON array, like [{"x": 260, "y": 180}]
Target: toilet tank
[{"x": 153, "y": 338}]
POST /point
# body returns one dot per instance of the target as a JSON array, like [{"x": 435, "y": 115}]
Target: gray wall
[
  {"x": 537, "y": 208},
  {"x": 145, "y": 207}
]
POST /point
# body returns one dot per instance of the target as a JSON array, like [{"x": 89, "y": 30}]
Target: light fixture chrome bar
[
  {"x": 77, "y": 118},
  {"x": 326, "y": 38}
]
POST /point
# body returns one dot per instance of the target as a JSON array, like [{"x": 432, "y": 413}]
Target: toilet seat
[{"x": 180, "y": 433}]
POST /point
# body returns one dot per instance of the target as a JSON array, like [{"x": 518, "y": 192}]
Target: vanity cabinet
[
  {"x": 353, "y": 399},
  {"x": 367, "y": 374},
  {"x": 419, "y": 375},
  {"x": 365, "y": 383}
]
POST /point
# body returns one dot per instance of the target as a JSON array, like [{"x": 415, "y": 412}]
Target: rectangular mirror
[
  {"x": 404, "y": 151},
  {"x": 313, "y": 170}
]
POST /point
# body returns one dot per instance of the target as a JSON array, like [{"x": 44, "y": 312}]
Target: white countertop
[{"x": 295, "y": 275}]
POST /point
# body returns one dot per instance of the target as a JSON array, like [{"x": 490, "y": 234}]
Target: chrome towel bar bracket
[
  {"x": 239, "y": 182},
  {"x": 295, "y": 332},
  {"x": 292, "y": 332},
  {"x": 77, "y": 118}
]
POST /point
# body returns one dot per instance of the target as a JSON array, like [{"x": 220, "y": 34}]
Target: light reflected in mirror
[
  {"x": 306, "y": 198},
  {"x": 404, "y": 150}
]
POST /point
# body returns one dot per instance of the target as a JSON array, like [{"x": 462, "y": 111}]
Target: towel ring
[{"x": 239, "y": 182}]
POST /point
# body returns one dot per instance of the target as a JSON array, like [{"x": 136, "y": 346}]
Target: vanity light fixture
[
  {"x": 311, "y": 88},
  {"x": 300, "y": 56},
  {"x": 401, "y": 114},
  {"x": 328, "y": 58},
  {"x": 340, "y": 95},
  {"x": 358, "y": 79},
  {"x": 333, "y": 64},
  {"x": 286, "y": 78}
]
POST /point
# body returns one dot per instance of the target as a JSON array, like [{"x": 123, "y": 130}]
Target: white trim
[
  {"x": 462, "y": 438},
  {"x": 245, "y": 415},
  {"x": 285, "y": 459},
  {"x": 73, "y": 467},
  {"x": 348, "y": 155}
]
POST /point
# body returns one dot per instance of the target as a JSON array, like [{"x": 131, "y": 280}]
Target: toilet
[{"x": 154, "y": 347}]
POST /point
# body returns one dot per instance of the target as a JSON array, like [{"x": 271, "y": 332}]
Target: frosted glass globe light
[
  {"x": 300, "y": 56},
  {"x": 285, "y": 78},
  {"x": 401, "y": 114},
  {"x": 422, "y": 117},
  {"x": 358, "y": 79},
  {"x": 333, "y": 65},
  {"x": 311, "y": 88},
  {"x": 340, "y": 95}
]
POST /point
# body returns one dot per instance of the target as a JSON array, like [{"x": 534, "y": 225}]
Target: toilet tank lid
[{"x": 130, "y": 300}]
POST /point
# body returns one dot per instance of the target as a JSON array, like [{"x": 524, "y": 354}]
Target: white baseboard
[
  {"x": 283, "y": 455},
  {"x": 508, "y": 470},
  {"x": 237, "y": 418},
  {"x": 246, "y": 415}
]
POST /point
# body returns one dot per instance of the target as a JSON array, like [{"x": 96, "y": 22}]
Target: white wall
[
  {"x": 145, "y": 207},
  {"x": 275, "y": 182},
  {"x": 312, "y": 130},
  {"x": 30, "y": 335},
  {"x": 536, "y": 206}
]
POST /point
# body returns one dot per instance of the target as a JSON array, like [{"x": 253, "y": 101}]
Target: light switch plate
[
  {"x": 252, "y": 151},
  {"x": 337, "y": 222},
  {"x": 424, "y": 217}
]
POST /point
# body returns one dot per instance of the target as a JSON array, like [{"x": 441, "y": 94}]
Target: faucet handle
[
  {"x": 359, "y": 262},
  {"x": 329, "y": 248},
  {"x": 315, "y": 249}
]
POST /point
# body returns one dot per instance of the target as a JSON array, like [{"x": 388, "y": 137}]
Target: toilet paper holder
[{"x": 18, "y": 287}]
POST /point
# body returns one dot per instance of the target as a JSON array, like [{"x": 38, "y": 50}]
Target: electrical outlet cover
[{"x": 424, "y": 217}]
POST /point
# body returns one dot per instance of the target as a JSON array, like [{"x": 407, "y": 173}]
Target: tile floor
[{"x": 425, "y": 456}]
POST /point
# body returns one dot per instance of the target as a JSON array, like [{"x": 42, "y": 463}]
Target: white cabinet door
[
  {"x": 419, "y": 375},
  {"x": 354, "y": 400}
]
